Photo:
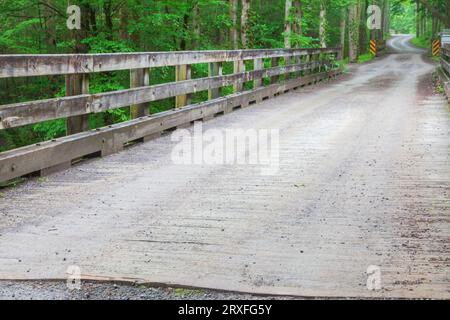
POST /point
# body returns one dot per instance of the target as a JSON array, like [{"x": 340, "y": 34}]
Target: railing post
[
  {"x": 298, "y": 60},
  {"x": 258, "y": 65},
  {"x": 239, "y": 67},
  {"x": 139, "y": 78},
  {"x": 288, "y": 62},
  {"x": 307, "y": 62},
  {"x": 275, "y": 63},
  {"x": 319, "y": 68},
  {"x": 183, "y": 72},
  {"x": 77, "y": 84},
  {"x": 215, "y": 69}
]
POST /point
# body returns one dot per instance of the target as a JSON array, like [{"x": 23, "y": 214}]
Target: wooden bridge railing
[{"x": 301, "y": 67}]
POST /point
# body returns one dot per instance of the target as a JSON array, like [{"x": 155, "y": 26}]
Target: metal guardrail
[
  {"x": 445, "y": 63},
  {"x": 301, "y": 67}
]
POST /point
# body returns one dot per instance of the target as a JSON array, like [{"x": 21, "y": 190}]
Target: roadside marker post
[
  {"x": 436, "y": 47},
  {"x": 373, "y": 47}
]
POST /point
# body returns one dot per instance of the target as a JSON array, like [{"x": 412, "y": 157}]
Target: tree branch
[
  {"x": 53, "y": 9},
  {"x": 435, "y": 12}
]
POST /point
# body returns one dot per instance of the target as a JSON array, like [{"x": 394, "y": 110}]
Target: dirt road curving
[{"x": 364, "y": 181}]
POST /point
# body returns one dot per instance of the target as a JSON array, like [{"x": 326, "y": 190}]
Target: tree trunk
[
  {"x": 433, "y": 28},
  {"x": 448, "y": 14},
  {"x": 86, "y": 21},
  {"x": 417, "y": 19},
  {"x": 183, "y": 42},
  {"x": 287, "y": 23},
  {"x": 298, "y": 30},
  {"x": 387, "y": 18},
  {"x": 124, "y": 23},
  {"x": 353, "y": 29},
  {"x": 195, "y": 26},
  {"x": 362, "y": 26},
  {"x": 233, "y": 30},
  {"x": 342, "y": 31},
  {"x": 50, "y": 27},
  {"x": 323, "y": 21},
  {"x": 244, "y": 22},
  {"x": 107, "y": 10}
]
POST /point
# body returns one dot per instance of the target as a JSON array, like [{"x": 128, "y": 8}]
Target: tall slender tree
[
  {"x": 244, "y": 22},
  {"x": 234, "y": 27},
  {"x": 287, "y": 23},
  {"x": 323, "y": 21}
]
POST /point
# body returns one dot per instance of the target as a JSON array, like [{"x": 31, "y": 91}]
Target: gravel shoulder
[{"x": 57, "y": 290}]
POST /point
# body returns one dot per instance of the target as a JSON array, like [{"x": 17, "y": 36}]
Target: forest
[{"x": 107, "y": 26}]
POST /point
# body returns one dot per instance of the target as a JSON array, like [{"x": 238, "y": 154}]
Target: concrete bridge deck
[{"x": 364, "y": 180}]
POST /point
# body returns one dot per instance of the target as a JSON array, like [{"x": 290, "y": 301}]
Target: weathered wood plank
[
  {"x": 42, "y": 65},
  {"x": 182, "y": 73},
  {"x": 238, "y": 68},
  {"x": 139, "y": 78},
  {"x": 258, "y": 65},
  {"x": 275, "y": 64},
  {"x": 22, "y": 161},
  {"x": 37, "y": 111},
  {"x": 215, "y": 69},
  {"x": 77, "y": 84}
]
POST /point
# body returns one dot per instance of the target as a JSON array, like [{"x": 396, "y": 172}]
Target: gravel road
[{"x": 363, "y": 180}]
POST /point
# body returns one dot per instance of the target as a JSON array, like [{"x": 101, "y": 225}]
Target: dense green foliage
[
  {"x": 39, "y": 26},
  {"x": 403, "y": 17}
]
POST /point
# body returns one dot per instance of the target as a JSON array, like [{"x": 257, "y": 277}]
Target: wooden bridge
[
  {"x": 363, "y": 183},
  {"x": 301, "y": 67}
]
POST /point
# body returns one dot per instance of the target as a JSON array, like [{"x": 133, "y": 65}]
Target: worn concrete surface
[{"x": 364, "y": 180}]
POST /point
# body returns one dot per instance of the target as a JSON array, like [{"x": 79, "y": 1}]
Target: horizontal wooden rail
[
  {"x": 35, "y": 158},
  {"x": 300, "y": 67},
  {"x": 42, "y": 65},
  {"x": 37, "y": 111}
]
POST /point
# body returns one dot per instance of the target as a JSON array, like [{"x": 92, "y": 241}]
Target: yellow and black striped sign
[
  {"x": 373, "y": 47},
  {"x": 436, "y": 47}
]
